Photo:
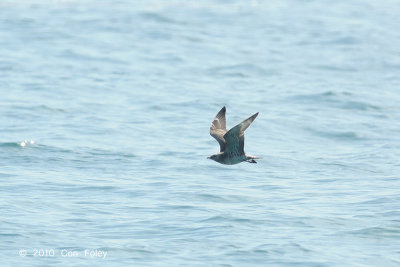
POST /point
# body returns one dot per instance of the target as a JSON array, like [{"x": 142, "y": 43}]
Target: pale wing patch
[{"x": 218, "y": 128}]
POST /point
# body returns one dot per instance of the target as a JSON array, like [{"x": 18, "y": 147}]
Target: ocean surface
[{"x": 105, "y": 109}]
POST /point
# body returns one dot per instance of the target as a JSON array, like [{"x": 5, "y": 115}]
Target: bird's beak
[{"x": 208, "y": 157}]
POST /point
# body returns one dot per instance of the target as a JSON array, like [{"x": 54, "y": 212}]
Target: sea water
[{"x": 105, "y": 109}]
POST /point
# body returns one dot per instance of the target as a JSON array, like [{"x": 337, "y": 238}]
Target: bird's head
[{"x": 214, "y": 157}]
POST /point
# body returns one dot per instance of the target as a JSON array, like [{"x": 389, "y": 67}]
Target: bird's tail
[{"x": 251, "y": 159}]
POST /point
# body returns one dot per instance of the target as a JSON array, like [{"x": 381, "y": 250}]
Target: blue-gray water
[{"x": 118, "y": 96}]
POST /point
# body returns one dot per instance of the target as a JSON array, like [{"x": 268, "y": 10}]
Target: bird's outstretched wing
[
  {"x": 218, "y": 128},
  {"x": 234, "y": 138}
]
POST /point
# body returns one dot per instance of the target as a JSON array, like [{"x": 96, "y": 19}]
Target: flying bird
[{"x": 231, "y": 142}]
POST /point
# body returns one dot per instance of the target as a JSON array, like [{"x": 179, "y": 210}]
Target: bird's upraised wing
[
  {"x": 234, "y": 138},
  {"x": 218, "y": 128}
]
